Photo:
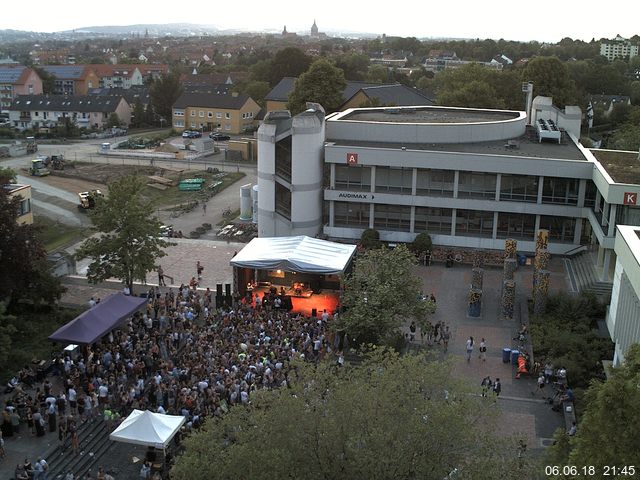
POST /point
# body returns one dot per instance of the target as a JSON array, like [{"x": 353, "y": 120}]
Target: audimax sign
[{"x": 356, "y": 196}]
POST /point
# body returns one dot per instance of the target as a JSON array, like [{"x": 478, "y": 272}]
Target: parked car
[
  {"x": 219, "y": 137},
  {"x": 191, "y": 134}
]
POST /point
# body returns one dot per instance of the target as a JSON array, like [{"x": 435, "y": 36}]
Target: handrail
[{"x": 575, "y": 250}]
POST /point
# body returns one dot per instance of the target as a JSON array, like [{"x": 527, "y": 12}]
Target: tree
[
  {"x": 626, "y": 138},
  {"x": 422, "y": 243},
  {"x": 288, "y": 62},
  {"x": 113, "y": 120},
  {"x": 393, "y": 417},
  {"x": 607, "y": 433},
  {"x": 48, "y": 80},
  {"x": 164, "y": 93},
  {"x": 380, "y": 294},
  {"x": 128, "y": 240},
  {"x": 354, "y": 66},
  {"x": 23, "y": 260},
  {"x": 257, "y": 91},
  {"x": 322, "y": 83},
  {"x": 551, "y": 78},
  {"x": 7, "y": 329},
  {"x": 370, "y": 238},
  {"x": 138, "y": 116}
]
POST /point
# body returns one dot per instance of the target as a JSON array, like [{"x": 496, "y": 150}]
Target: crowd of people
[{"x": 180, "y": 355}]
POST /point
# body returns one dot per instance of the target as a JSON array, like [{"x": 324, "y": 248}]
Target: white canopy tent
[
  {"x": 295, "y": 254},
  {"x": 148, "y": 428}
]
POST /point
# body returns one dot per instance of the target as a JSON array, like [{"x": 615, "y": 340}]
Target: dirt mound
[{"x": 103, "y": 173}]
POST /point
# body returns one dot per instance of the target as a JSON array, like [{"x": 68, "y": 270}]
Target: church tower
[{"x": 314, "y": 29}]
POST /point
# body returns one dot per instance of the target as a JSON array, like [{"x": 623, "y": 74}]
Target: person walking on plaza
[
  {"x": 497, "y": 387},
  {"x": 161, "y": 282},
  {"x": 486, "y": 385},
  {"x": 483, "y": 350},
  {"x": 446, "y": 336},
  {"x": 204, "y": 209},
  {"x": 469, "y": 349}
]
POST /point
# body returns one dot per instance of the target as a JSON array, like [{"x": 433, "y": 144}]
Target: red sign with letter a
[
  {"x": 630, "y": 198},
  {"x": 352, "y": 159}
]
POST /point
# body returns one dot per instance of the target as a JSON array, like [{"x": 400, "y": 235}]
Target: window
[
  {"x": 590, "y": 194},
  {"x": 178, "y": 123},
  {"x": 227, "y": 127},
  {"x": 561, "y": 229},
  {"x": 201, "y": 114},
  {"x": 218, "y": 115},
  {"x": 477, "y": 185},
  {"x": 474, "y": 223},
  {"x": 283, "y": 158},
  {"x": 516, "y": 225},
  {"x": 210, "y": 114},
  {"x": 560, "y": 190},
  {"x": 178, "y": 113},
  {"x": 346, "y": 214},
  {"x": 353, "y": 178},
  {"x": 283, "y": 201},
  {"x": 244, "y": 115},
  {"x": 392, "y": 217},
  {"x": 519, "y": 188},
  {"x": 438, "y": 183},
  {"x": 227, "y": 115},
  {"x": 193, "y": 113},
  {"x": 25, "y": 206},
  {"x": 433, "y": 220},
  {"x": 394, "y": 180}
]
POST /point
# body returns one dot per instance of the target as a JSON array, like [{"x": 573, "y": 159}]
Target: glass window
[
  {"x": 437, "y": 183},
  {"x": 433, "y": 220},
  {"x": 560, "y": 190},
  {"x": 590, "y": 194},
  {"x": 392, "y": 217},
  {"x": 283, "y": 158},
  {"x": 474, "y": 223},
  {"x": 346, "y": 214},
  {"x": 394, "y": 180},
  {"x": 516, "y": 225},
  {"x": 477, "y": 185},
  {"x": 210, "y": 114},
  {"x": 227, "y": 115},
  {"x": 201, "y": 114},
  {"x": 627, "y": 215},
  {"x": 193, "y": 113},
  {"x": 519, "y": 188},
  {"x": 283, "y": 201},
  {"x": 218, "y": 115},
  {"x": 561, "y": 229},
  {"x": 353, "y": 178},
  {"x": 25, "y": 206}
]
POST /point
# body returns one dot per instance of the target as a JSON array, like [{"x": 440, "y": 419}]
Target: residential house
[
  {"x": 235, "y": 113},
  {"x": 25, "y": 215},
  {"x": 17, "y": 80},
  {"x": 153, "y": 71},
  {"x": 501, "y": 60},
  {"x": 72, "y": 79},
  {"x": 606, "y": 103},
  {"x": 83, "y": 111},
  {"x": 118, "y": 76},
  {"x": 619, "y": 47}
]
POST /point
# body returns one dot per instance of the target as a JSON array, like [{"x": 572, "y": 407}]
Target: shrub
[
  {"x": 206, "y": 226},
  {"x": 370, "y": 238},
  {"x": 194, "y": 234}
]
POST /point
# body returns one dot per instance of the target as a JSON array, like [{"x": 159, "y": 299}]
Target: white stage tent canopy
[
  {"x": 295, "y": 254},
  {"x": 148, "y": 428}
]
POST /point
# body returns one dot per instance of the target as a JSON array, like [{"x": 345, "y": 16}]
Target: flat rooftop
[
  {"x": 526, "y": 145},
  {"x": 433, "y": 115},
  {"x": 622, "y": 166}
]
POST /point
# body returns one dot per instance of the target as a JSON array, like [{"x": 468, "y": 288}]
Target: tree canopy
[
  {"x": 164, "y": 92},
  {"x": 551, "y": 78},
  {"x": 380, "y": 294},
  {"x": 288, "y": 62},
  {"x": 128, "y": 235},
  {"x": 23, "y": 259},
  {"x": 322, "y": 83},
  {"x": 392, "y": 417}
]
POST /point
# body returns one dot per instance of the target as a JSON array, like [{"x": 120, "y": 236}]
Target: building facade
[
  {"x": 229, "y": 113},
  {"x": 72, "y": 79},
  {"x": 25, "y": 214},
  {"x": 468, "y": 177},
  {"x": 618, "y": 48},
  {"x": 17, "y": 80},
  {"x": 623, "y": 317}
]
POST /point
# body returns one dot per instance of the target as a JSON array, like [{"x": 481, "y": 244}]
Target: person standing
[
  {"x": 486, "y": 385},
  {"x": 497, "y": 387},
  {"x": 412, "y": 330},
  {"x": 483, "y": 350},
  {"x": 161, "y": 281},
  {"x": 541, "y": 384},
  {"x": 469, "y": 348},
  {"x": 204, "y": 209},
  {"x": 446, "y": 336}
]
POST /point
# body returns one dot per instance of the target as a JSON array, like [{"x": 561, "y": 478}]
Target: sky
[{"x": 508, "y": 19}]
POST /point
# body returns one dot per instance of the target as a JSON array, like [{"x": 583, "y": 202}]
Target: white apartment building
[{"x": 618, "y": 48}]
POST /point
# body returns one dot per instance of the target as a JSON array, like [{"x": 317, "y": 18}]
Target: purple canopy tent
[{"x": 99, "y": 320}]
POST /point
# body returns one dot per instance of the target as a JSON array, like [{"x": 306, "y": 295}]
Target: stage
[{"x": 326, "y": 300}]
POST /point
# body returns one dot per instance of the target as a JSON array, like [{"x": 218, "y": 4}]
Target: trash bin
[
  {"x": 506, "y": 355},
  {"x": 514, "y": 357},
  {"x": 522, "y": 259}
]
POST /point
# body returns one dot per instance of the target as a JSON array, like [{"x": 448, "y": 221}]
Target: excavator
[{"x": 88, "y": 199}]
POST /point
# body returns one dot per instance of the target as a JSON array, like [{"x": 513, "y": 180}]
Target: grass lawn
[
  {"x": 173, "y": 197},
  {"x": 55, "y": 235}
]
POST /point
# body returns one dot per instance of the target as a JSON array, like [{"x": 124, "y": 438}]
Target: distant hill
[{"x": 155, "y": 30}]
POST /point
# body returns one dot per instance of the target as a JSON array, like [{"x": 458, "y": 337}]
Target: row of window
[
  {"x": 434, "y": 182},
  {"x": 473, "y": 223}
]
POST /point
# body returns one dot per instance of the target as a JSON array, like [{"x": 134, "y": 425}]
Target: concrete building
[
  {"x": 623, "y": 318},
  {"x": 468, "y": 177},
  {"x": 619, "y": 47},
  {"x": 17, "y": 80}
]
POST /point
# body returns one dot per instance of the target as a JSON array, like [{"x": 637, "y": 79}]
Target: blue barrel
[
  {"x": 522, "y": 259},
  {"x": 514, "y": 357},
  {"x": 506, "y": 355}
]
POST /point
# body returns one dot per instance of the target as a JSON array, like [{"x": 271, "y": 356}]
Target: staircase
[{"x": 582, "y": 272}]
